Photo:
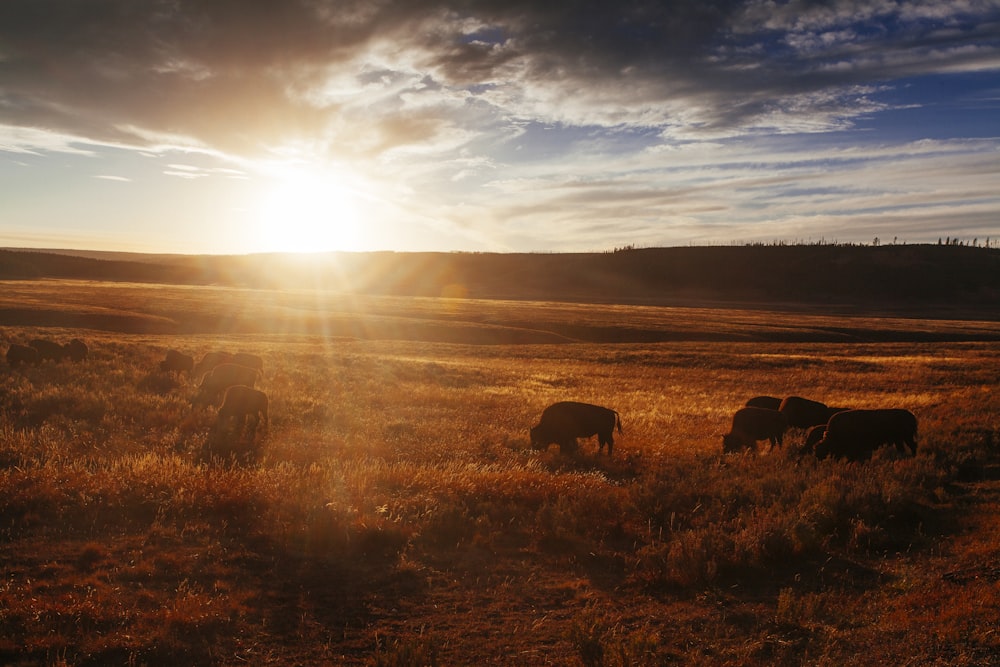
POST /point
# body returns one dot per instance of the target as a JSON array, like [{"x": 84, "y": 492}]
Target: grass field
[{"x": 395, "y": 513}]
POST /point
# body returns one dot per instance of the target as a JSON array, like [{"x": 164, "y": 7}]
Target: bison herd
[
  {"x": 843, "y": 433},
  {"x": 227, "y": 381},
  {"x": 838, "y": 432},
  {"x": 40, "y": 349}
]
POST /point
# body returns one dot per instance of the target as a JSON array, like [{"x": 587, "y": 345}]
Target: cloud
[
  {"x": 502, "y": 120},
  {"x": 30, "y": 140},
  {"x": 757, "y": 190},
  {"x": 245, "y": 76}
]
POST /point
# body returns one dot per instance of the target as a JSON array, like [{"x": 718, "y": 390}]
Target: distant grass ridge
[
  {"x": 148, "y": 308},
  {"x": 887, "y": 276}
]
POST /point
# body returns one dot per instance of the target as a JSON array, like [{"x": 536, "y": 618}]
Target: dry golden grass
[{"x": 396, "y": 515}]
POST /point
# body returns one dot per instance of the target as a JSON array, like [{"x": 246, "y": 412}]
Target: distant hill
[{"x": 921, "y": 279}]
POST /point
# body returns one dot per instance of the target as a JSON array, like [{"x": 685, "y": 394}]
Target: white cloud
[{"x": 30, "y": 140}]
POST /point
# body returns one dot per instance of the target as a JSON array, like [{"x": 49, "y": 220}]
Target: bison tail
[{"x": 618, "y": 422}]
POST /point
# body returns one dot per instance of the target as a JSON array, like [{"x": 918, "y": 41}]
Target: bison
[
  {"x": 48, "y": 349},
  {"x": 753, "y": 424},
  {"x": 210, "y": 361},
  {"x": 855, "y": 434},
  {"x": 243, "y": 403},
  {"x": 769, "y": 402},
  {"x": 76, "y": 350},
  {"x": 221, "y": 378},
  {"x": 804, "y": 413},
  {"x": 562, "y": 423},
  {"x": 18, "y": 354},
  {"x": 177, "y": 362},
  {"x": 248, "y": 360},
  {"x": 815, "y": 434}
]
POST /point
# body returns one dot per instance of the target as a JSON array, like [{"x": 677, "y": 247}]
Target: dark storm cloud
[{"x": 239, "y": 74}]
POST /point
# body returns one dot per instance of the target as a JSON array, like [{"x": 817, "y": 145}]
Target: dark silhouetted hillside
[{"x": 901, "y": 278}]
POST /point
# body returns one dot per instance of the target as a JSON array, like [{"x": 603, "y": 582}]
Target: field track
[{"x": 165, "y": 309}]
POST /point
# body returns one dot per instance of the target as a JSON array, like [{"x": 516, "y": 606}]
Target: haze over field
[{"x": 230, "y": 127}]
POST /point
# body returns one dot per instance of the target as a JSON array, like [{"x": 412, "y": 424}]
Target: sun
[{"x": 309, "y": 212}]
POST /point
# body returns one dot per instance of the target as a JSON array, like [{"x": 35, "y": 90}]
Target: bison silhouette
[
  {"x": 221, "y": 378},
  {"x": 753, "y": 424},
  {"x": 562, "y": 423},
  {"x": 241, "y": 405},
  {"x": 249, "y": 360},
  {"x": 803, "y": 412},
  {"x": 210, "y": 361},
  {"x": 48, "y": 349},
  {"x": 856, "y": 434},
  {"x": 76, "y": 350},
  {"x": 18, "y": 354},
  {"x": 769, "y": 402},
  {"x": 177, "y": 362}
]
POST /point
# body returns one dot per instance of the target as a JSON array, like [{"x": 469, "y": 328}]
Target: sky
[{"x": 240, "y": 126}]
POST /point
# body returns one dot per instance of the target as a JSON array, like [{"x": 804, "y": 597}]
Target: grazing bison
[
  {"x": 223, "y": 377},
  {"x": 211, "y": 360},
  {"x": 48, "y": 349},
  {"x": 815, "y": 434},
  {"x": 562, "y": 423},
  {"x": 753, "y": 424},
  {"x": 855, "y": 434},
  {"x": 769, "y": 402},
  {"x": 18, "y": 354},
  {"x": 243, "y": 403},
  {"x": 248, "y": 360},
  {"x": 76, "y": 350},
  {"x": 177, "y": 362},
  {"x": 804, "y": 413}
]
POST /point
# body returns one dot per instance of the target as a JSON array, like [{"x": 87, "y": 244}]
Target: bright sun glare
[{"x": 307, "y": 212}]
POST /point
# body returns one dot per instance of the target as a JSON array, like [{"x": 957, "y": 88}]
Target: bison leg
[
  {"x": 605, "y": 439},
  {"x": 568, "y": 446}
]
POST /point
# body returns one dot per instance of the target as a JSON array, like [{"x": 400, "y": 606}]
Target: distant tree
[{"x": 939, "y": 240}]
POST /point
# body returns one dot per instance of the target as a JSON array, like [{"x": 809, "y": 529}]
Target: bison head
[
  {"x": 733, "y": 443},
  {"x": 538, "y": 436}
]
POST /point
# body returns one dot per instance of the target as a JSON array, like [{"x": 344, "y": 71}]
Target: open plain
[{"x": 393, "y": 512}]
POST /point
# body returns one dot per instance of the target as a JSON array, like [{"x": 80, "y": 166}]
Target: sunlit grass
[{"x": 396, "y": 481}]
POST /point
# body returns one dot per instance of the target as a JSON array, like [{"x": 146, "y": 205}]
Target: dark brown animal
[
  {"x": 815, "y": 434},
  {"x": 769, "y": 402},
  {"x": 210, "y": 361},
  {"x": 248, "y": 360},
  {"x": 562, "y": 423},
  {"x": 76, "y": 350},
  {"x": 18, "y": 354},
  {"x": 753, "y": 424},
  {"x": 804, "y": 413},
  {"x": 241, "y": 404},
  {"x": 855, "y": 434},
  {"x": 48, "y": 349},
  {"x": 177, "y": 362},
  {"x": 223, "y": 377}
]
